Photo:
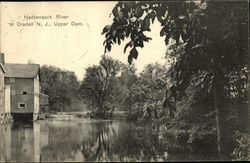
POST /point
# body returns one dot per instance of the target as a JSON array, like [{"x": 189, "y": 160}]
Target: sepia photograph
[{"x": 124, "y": 81}]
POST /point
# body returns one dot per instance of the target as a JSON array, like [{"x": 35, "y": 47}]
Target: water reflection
[
  {"x": 87, "y": 140},
  {"x": 17, "y": 142},
  {"x": 121, "y": 141}
]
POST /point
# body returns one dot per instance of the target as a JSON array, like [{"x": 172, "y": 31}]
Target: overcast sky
[{"x": 68, "y": 47}]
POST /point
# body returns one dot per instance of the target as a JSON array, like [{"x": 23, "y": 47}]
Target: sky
[{"x": 68, "y": 47}]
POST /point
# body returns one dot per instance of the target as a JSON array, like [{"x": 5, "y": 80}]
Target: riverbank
[
  {"x": 5, "y": 118},
  {"x": 70, "y": 116}
]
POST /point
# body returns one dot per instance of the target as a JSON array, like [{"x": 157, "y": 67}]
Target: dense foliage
[
  {"x": 111, "y": 85},
  {"x": 98, "y": 86},
  {"x": 209, "y": 63},
  {"x": 61, "y": 87},
  {"x": 149, "y": 93}
]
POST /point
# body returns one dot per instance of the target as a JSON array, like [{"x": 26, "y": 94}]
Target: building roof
[{"x": 21, "y": 70}]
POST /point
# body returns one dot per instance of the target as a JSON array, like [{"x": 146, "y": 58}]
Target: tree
[
  {"x": 127, "y": 81},
  {"x": 152, "y": 82},
  {"x": 97, "y": 87},
  {"x": 215, "y": 44},
  {"x": 144, "y": 92},
  {"x": 61, "y": 87}
]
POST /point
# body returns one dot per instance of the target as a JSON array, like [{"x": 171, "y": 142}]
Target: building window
[
  {"x": 12, "y": 80},
  {"x": 25, "y": 93},
  {"x": 21, "y": 105}
]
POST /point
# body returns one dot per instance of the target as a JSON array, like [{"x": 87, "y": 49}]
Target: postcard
[{"x": 124, "y": 81}]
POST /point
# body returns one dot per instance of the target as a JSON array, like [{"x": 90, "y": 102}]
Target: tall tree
[
  {"x": 97, "y": 87},
  {"x": 152, "y": 82},
  {"x": 128, "y": 80}
]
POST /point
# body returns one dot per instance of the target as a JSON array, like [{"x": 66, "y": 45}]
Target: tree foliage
[
  {"x": 61, "y": 87},
  {"x": 211, "y": 40},
  {"x": 144, "y": 92},
  {"x": 206, "y": 29},
  {"x": 127, "y": 84},
  {"x": 97, "y": 87}
]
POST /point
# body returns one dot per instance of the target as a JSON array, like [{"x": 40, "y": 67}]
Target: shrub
[{"x": 241, "y": 149}]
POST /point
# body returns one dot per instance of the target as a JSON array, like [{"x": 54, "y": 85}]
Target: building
[
  {"x": 5, "y": 113},
  {"x": 24, "y": 84}
]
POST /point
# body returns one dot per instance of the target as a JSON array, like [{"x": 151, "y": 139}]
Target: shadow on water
[
  {"x": 23, "y": 117},
  {"x": 85, "y": 140}
]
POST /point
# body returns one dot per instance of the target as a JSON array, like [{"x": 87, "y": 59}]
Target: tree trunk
[
  {"x": 129, "y": 101},
  {"x": 221, "y": 113},
  {"x": 129, "y": 105}
]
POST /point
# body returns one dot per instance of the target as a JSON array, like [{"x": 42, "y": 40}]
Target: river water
[{"x": 82, "y": 140}]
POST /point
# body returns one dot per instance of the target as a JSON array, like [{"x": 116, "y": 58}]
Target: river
[{"x": 83, "y": 140}]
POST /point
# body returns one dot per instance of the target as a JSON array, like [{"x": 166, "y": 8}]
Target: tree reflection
[
  {"x": 123, "y": 142},
  {"x": 62, "y": 144},
  {"x": 99, "y": 142}
]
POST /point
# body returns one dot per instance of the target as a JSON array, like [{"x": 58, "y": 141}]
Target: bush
[{"x": 241, "y": 148}]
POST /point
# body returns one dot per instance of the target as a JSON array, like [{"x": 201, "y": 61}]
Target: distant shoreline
[{"x": 71, "y": 116}]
